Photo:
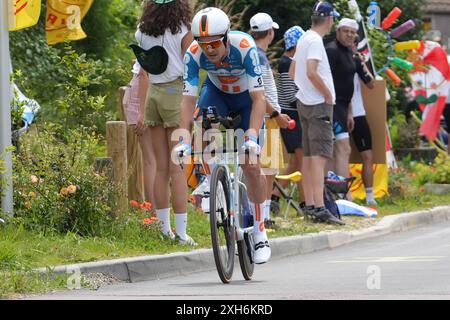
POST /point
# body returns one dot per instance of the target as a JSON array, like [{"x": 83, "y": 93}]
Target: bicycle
[{"x": 227, "y": 207}]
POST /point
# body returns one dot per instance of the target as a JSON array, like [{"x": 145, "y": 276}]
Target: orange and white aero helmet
[{"x": 210, "y": 22}]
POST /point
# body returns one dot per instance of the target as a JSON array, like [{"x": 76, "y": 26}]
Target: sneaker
[
  {"x": 371, "y": 203},
  {"x": 169, "y": 236},
  {"x": 324, "y": 215},
  {"x": 188, "y": 241},
  {"x": 262, "y": 251},
  {"x": 308, "y": 211},
  {"x": 202, "y": 189}
]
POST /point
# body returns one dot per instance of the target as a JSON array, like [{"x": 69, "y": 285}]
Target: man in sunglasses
[{"x": 234, "y": 84}]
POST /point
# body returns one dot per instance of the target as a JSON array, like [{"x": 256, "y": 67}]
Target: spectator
[
  {"x": 262, "y": 30},
  {"x": 361, "y": 133},
  {"x": 167, "y": 24},
  {"x": 343, "y": 68},
  {"x": 312, "y": 75},
  {"x": 134, "y": 106},
  {"x": 288, "y": 102}
]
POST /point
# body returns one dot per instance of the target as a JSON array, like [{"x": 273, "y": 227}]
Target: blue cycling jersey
[{"x": 239, "y": 71}]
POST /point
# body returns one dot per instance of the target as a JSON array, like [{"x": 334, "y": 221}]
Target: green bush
[
  {"x": 79, "y": 105},
  {"x": 441, "y": 169},
  {"x": 404, "y": 133},
  {"x": 438, "y": 172},
  {"x": 422, "y": 174},
  {"x": 55, "y": 186}
]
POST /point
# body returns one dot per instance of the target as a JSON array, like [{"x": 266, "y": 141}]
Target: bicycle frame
[{"x": 233, "y": 182}]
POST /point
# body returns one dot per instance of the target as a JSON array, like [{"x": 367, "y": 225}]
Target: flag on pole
[
  {"x": 429, "y": 82},
  {"x": 380, "y": 181},
  {"x": 63, "y": 20},
  {"x": 23, "y": 13}
]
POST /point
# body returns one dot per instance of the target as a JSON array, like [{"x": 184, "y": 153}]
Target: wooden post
[
  {"x": 116, "y": 139},
  {"x": 134, "y": 156}
]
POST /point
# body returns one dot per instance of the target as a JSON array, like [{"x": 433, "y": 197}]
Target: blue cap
[
  {"x": 291, "y": 36},
  {"x": 324, "y": 9}
]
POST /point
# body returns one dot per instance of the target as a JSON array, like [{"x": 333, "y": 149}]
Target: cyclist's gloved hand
[
  {"x": 182, "y": 150},
  {"x": 251, "y": 145}
]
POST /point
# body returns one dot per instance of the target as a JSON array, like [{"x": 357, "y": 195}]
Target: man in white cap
[
  {"x": 262, "y": 30},
  {"x": 343, "y": 69}
]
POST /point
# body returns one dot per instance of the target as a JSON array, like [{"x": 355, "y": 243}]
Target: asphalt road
[{"x": 408, "y": 265}]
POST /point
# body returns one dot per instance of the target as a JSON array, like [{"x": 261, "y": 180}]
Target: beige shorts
[
  {"x": 272, "y": 151},
  {"x": 163, "y": 104},
  {"x": 317, "y": 125}
]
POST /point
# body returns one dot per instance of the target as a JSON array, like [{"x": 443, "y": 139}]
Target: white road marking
[{"x": 390, "y": 259}]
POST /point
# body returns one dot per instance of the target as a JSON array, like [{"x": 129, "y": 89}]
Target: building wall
[{"x": 441, "y": 22}]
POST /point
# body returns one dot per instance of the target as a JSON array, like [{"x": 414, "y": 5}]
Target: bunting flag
[
  {"x": 63, "y": 20},
  {"x": 430, "y": 80},
  {"x": 23, "y": 13}
]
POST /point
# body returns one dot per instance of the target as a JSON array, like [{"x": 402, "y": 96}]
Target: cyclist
[{"x": 233, "y": 84}]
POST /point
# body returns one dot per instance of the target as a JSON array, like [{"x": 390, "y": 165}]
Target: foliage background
[{"x": 110, "y": 26}]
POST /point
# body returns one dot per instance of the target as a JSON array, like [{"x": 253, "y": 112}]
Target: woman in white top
[{"x": 166, "y": 23}]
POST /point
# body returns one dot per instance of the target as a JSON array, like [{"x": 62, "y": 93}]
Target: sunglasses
[{"x": 211, "y": 44}]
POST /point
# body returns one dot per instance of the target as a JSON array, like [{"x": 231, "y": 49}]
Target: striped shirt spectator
[
  {"x": 286, "y": 86},
  {"x": 268, "y": 80}
]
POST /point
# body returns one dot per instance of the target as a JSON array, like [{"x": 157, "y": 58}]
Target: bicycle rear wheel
[
  {"x": 245, "y": 246},
  {"x": 222, "y": 231}
]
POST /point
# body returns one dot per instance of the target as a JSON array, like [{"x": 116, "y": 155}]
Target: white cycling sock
[
  {"x": 369, "y": 194},
  {"x": 164, "y": 216},
  {"x": 267, "y": 209},
  {"x": 181, "y": 224},
  {"x": 259, "y": 230}
]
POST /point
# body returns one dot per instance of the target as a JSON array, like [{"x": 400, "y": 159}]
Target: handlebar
[{"x": 210, "y": 117}]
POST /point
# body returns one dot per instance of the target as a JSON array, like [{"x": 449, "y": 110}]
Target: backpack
[
  {"x": 330, "y": 201},
  {"x": 154, "y": 60}
]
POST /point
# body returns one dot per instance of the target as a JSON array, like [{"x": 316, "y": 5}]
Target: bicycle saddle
[{"x": 294, "y": 177}]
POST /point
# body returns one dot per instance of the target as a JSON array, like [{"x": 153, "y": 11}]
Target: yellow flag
[
  {"x": 23, "y": 13},
  {"x": 63, "y": 20},
  {"x": 380, "y": 181}
]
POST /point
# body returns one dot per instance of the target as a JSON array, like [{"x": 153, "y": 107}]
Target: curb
[{"x": 170, "y": 265}]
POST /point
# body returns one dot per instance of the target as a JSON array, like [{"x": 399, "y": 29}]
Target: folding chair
[{"x": 293, "y": 177}]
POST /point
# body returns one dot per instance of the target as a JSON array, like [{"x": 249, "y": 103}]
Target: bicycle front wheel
[{"x": 222, "y": 230}]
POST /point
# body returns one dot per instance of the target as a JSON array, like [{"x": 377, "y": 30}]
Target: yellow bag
[{"x": 194, "y": 172}]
